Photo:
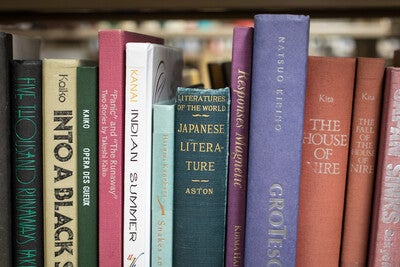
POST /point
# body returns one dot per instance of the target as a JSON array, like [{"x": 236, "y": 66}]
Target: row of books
[
  {"x": 280, "y": 169},
  {"x": 322, "y": 157}
]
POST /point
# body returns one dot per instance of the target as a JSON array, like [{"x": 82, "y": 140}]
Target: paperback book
[{"x": 153, "y": 74}]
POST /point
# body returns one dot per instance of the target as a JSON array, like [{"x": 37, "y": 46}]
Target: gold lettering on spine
[{"x": 197, "y": 145}]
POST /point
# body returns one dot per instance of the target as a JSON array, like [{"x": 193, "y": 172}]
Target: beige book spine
[{"x": 60, "y": 162}]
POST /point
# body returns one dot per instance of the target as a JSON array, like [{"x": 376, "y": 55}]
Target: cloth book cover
[
  {"x": 242, "y": 52},
  {"x": 87, "y": 86},
  {"x": 275, "y": 139},
  {"x": 327, "y": 123},
  {"x": 26, "y": 156},
  {"x": 11, "y": 47},
  {"x": 385, "y": 229},
  {"x": 362, "y": 161},
  {"x": 200, "y": 182}
]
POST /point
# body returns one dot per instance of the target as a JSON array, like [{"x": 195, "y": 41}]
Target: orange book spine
[
  {"x": 327, "y": 122},
  {"x": 362, "y": 159}
]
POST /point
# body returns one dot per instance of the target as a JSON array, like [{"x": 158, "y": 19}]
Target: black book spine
[
  {"x": 5, "y": 170},
  {"x": 26, "y": 162}
]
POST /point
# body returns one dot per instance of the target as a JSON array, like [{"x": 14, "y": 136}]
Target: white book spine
[
  {"x": 137, "y": 161},
  {"x": 153, "y": 73}
]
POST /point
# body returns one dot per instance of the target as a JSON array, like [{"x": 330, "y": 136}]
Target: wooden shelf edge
[{"x": 10, "y": 16}]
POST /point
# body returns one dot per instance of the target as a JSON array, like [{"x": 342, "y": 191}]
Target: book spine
[
  {"x": 60, "y": 167},
  {"x": 200, "y": 183},
  {"x": 137, "y": 181},
  {"x": 362, "y": 160},
  {"x": 162, "y": 185},
  {"x": 242, "y": 52},
  {"x": 111, "y": 140},
  {"x": 87, "y": 90},
  {"x": 26, "y": 161},
  {"x": 327, "y": 123},
  {"x": 275, "y": 140},
  {"x": 111, "y": 95},
  {"x": 5, "y": 166},
  {"x": 385, "y": 230}
]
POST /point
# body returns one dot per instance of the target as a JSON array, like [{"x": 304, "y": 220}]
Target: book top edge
[{"x": 282, "y": 17}]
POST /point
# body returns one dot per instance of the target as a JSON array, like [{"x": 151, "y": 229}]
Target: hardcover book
[
  {"x": 242, "y": 52},
  {"x": 87, "y": 90},
  {"x": 162, "y": 185},
  {"x": 200, "y": 182},
  {"x": 5, "y": 156},
  {"x": 385, "y": 229},
  {"x": 26, "y": 161},
  {"x": 362, "y": 160},
  {"x": 8, "y": 51},
  {"x": 111, "y": 135},
  {"x": 153, "y": 74},
  {"x": 60, "y": 167},
  {"x": 275, "y": 140},
  {"x": 327, "y": 122}
]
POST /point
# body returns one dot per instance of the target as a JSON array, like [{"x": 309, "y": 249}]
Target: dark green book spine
[
  {"x": 26, "y": 162},
  {"x": 87, "y": 85},
  {"x": 200, "y": 183},
  {"x": 5, "y": 168}
]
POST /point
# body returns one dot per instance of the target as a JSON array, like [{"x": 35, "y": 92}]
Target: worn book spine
[
  {"x": 242, "y": 52},
  {"x": 5, "y": 155},
  {"x": 162, "y": 185},
  {"x": 385, "y": 229},
  {"x": 26, "y": 162},
  {"x": 60, "y": 164},
  {"x": 87, "y": 86},
  {"x": 275, "y": 140},
  {"x": 362, "y": 161},
  {"x": 153, "y": 73},
  {"x": 111, "y": 145},
  {"x": 200, "y": 182},
  {"x": 327, "y": 122}
]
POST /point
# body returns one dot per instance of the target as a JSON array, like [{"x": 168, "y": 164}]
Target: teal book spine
[
  {"x": 87, "y": 91},
  {"x": 200, "y": 182},
  {"x": 162, "y": 185}
]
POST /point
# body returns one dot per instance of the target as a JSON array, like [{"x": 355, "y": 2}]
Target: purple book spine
[
  {"x": 242, "y": 50},
  {"x": 275, "y": 139}
]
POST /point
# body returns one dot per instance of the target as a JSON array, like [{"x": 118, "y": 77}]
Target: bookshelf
[
  {"x": 71, "y": 26},
  {"x": 73, "y": 9},
  {"x": 364, "y": 20}
]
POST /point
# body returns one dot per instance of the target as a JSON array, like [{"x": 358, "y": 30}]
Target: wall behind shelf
[{"x": 206, "y": 41}]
